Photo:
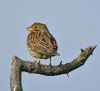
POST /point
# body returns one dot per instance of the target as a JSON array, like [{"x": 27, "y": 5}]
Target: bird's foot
[
  {"x": 50, "y": 65},
  {"x": 50, "y": 62}
]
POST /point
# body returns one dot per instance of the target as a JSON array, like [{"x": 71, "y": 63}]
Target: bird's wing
[
  {"x": 48, "y": 43},
  {"x": 43, "y": 42}
]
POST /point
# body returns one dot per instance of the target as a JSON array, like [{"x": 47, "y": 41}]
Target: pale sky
[{"x": 74, "y": 23}]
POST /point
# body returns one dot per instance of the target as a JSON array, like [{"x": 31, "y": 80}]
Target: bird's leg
[{"x": 50, "y": 61}]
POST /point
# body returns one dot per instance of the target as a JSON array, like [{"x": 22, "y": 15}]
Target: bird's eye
[{"x": 35, "y": 26}]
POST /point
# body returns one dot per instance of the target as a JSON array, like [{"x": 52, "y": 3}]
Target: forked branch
[{"x": 19, "y": 65}]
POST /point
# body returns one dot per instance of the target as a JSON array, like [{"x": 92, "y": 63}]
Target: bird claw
[{"x": 50, "y": 65}]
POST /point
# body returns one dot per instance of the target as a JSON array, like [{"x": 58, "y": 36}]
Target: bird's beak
[{"x": 29, "y": 29}]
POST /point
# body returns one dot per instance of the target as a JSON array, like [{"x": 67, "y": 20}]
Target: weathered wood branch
[{"x": 18, "y": 66}]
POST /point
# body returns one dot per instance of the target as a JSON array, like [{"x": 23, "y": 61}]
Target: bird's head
[{"x": 37, "y": 27}]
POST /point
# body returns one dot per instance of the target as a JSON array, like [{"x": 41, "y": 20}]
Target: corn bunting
[{"x": 41, "y": 43}]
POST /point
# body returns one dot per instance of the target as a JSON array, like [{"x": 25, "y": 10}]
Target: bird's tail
[{"x": 58, "y": 54}]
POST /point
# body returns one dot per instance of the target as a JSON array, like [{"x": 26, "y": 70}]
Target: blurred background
[{"x": 74, "y": 23}]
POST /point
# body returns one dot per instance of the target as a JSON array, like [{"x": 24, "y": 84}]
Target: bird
[{"x": 40, "y": 42}]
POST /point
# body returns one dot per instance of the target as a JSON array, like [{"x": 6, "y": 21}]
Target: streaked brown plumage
[{"x": 41, "y": 43}]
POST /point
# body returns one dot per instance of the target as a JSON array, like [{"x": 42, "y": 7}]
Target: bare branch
[{"x": 19, "y": 66}]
